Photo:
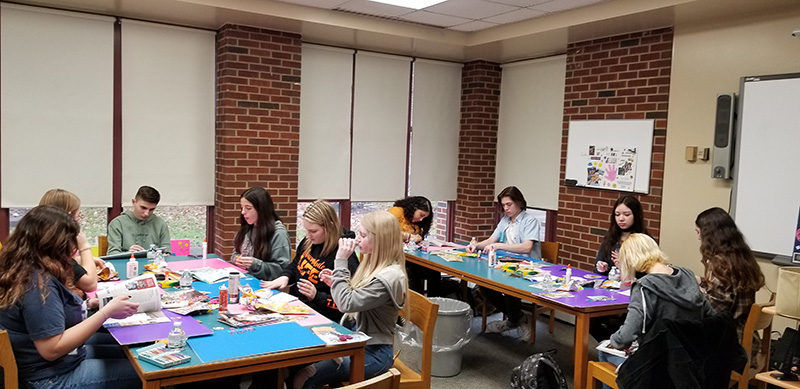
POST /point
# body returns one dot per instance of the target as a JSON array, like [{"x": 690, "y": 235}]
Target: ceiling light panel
[
  {"x": 373, "y": 8},
  {"x": 434, "y": 19},
  {"x": 471, "y": 9},
  {"x": 415, "y": 4}
]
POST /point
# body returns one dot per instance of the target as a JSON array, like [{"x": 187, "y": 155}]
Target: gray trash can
[{"x": 453, "y": 324}]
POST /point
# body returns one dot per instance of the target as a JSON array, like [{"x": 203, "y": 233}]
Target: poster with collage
[{"x": 611, "y": 167}]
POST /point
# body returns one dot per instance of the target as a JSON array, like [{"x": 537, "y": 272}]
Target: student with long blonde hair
[
  {"x": 371, "y": 298},
  {"x": 84, "y": 265},
  {"x": 316, "y": 252}
]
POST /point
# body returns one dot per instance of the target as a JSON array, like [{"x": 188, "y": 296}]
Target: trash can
[{"x": 450, "y": 335}]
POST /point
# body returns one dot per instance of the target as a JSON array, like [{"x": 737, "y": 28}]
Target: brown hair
[
  {"x": 63, "y": 199},
  {"x": 322, "y": 213},
  {"x": 149, "y": 194}
]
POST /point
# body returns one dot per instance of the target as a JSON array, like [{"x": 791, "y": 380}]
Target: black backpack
[{"x": 538, "y": 371}]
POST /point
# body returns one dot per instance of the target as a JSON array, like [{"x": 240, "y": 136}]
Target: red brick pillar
[
  {"x": 477, "y": 150},
  {"x": 620, "y": 77},
  {"x": 258, "y": 124}
]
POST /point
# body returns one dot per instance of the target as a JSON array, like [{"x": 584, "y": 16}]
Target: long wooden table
[
  {"x": 476, "y": 271},
  {"x": 154, "y": 377}
]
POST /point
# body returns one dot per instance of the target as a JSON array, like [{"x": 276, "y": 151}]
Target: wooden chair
[
  {"x": 757, "y": 320},
  {"x": 422, "y": 312},
  {"x": 102, "y": 246},
  {"x": 388, "y": 380},
  {"x": 604, "y": 372},
  {"x": 7, "y": 362}
]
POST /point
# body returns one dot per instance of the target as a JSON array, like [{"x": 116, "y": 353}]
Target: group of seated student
[{"x": 730, "y": 280}]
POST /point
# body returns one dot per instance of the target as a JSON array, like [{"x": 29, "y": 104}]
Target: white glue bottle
[
  {"x": 492, "y": 256},
  {"x": 133, "y": 268},
  {"x": 205, "y": 249},
  {"x": 568, "y": 275}
]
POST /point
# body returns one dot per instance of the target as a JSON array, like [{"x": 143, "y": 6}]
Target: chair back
[
  {"x": 102, "y": 246},
  {"x": 388, "y": 380},
  {"x": 550, "y": 252},
  {"x": 757, "y": 320},
  {"x": 7, "y": 362},
  {"x": 422, "y": 312}
]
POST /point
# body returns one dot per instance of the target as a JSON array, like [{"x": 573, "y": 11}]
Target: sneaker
[
  {"x": 524, "y": 326},
  {"x": 498, "y": 326}
]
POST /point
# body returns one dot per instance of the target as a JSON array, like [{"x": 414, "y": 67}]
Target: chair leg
[
  {"x": 483, "y": 320},
  {"x": 533, "y": 327}
]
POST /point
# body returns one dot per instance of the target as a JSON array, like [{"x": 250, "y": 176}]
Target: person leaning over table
[
  {"x": 415, "y": 215},
  {"x": 137, "y": 229},
  {"x": 262, "y": 244},
  {"x": 54, "y": 342},
  {"x": 517, "y": 232}
]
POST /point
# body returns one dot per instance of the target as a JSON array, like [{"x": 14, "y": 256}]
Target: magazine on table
[
  {"x": 251, "y": 319},
  {"x": 143, "y": 290},
  {"x": 137, "y": 319},
  {"x": 212, "y": 276}
]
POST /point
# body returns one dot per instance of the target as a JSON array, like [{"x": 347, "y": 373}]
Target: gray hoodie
[
  {"x": 656, "y": 296},
  {"x": 377, "y": 303}
]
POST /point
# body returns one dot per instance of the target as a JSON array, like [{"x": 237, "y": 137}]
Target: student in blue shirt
[
  {"x": 518, "y": 231},
  {"x": 53, "y": 341}
]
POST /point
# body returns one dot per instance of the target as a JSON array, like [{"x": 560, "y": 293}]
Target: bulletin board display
[{"x": 610, "y": 154}]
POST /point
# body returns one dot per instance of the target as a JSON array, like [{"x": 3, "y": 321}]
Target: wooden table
[
  {"x": 204, "y": 371},
  {"x": 766, "y": 376},
  {"x": 477, "y": 272}
]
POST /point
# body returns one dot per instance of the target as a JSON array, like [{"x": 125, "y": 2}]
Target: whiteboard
[
  {"x": 616, "y": 133},
  {"x": 766, "y": 190}
]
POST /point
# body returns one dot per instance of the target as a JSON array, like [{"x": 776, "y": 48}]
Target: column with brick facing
[
  {"x": 620, "y": 77},
  {"x": 477, "y": 150},
  {"x": 258, "y": 124}
]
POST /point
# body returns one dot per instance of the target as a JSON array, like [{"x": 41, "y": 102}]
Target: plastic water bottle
[
  {"x": 160, "y": 261},
  {"x": 233, "y": 287},
  {"x": 186, "y": 280},
  {"x": 613, "y": 274},
  {"x": 473, "y": 242},
  {"x": 133, "y": 268},
  {"x": 177, "y": 337},
  {"x": 151, "y": 253}
]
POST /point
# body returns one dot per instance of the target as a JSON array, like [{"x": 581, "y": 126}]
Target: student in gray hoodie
[
  {"x": 659, "y": 291},
  {"x": 371, "y": 298}
]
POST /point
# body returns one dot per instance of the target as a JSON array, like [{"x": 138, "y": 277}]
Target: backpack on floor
[{"x": 538, "y": 371}]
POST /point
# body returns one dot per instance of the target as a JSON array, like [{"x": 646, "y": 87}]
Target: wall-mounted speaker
[{"x": 723, "y": 150}]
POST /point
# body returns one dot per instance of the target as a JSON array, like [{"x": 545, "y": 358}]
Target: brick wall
[
  {"x": 477, "y": 150},
  {"x": 621, "y": 77},
  {"x": 258, "y": 124},
  {"x": 440, "y": 220}
]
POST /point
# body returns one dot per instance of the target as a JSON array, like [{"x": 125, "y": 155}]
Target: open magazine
[
  {"x": 142, "y": 290},
  {"x": 605, "y": 346}
]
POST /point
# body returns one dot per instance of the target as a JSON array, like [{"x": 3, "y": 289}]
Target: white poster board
[{"x": 610, "y": 154}]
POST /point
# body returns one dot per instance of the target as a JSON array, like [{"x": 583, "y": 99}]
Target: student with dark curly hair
[
  {"x": 731, "y": 275},
  {"x": 415, "y": 215}
]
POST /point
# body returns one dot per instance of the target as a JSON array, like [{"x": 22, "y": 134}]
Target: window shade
[
  {"x": 168, "y": 106},
  {"x": 325, "y": 108},
  {"x": 435, "y": 129},
  {"x": 380, "y": 127},
  {"x": 529, "y": 134},
  {"x": 57, "y": 105}
]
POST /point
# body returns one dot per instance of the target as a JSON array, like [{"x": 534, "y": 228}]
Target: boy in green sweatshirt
[{"x": 137, "y": 229}]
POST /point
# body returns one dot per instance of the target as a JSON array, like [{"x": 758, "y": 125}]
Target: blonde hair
[
  {"x": 62, "y": 199},
  {"x": 387, "y": 250},
  {"x": 638, "y": 253},
  {"x": 322, "y": 213}
]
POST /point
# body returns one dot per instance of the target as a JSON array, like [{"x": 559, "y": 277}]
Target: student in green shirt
[{"x": 137, "y": 229}]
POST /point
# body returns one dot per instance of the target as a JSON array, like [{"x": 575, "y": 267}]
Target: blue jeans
[
  {"x": 377, "y": 360},
  {"x": 105, "y": 366},
  {"x": 606, "y": 357}
]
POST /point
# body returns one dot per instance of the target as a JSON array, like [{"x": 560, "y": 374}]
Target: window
[
  {"x": 92, "y": 221},
  {"x": 360, "y": 208},
  {"x": 185, "y": 222}
]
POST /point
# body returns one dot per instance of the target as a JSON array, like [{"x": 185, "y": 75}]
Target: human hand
[
  {"x": 306, "y": 288},
  {"x": 99, "y": 263},
  {"x": 489, "y": 247},
  {"x": 346, "y": 248},
  {"x": 82, "y": 241},
  {"x": 243, "y": 262},
  {"x": 326, "y": 276},
  {"x": 278, "y": 283},
  {"x": 406, "y": 237},
  {"x": 416, "y": 238},
  {"x": 92, "y": 303},
  {"x": 602, "y": 266},
  {"x": 615, "y": 257},
  {"x": 471, "y": 248},
  {"x": 119, "y": 308},
  {"x": 136, "y": 247}
]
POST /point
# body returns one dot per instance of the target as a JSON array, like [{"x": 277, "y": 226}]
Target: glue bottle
[
  {"x": 133, "y": 268},
  {"x": 205, "y": 249},
  {"x": 568, "y": 275},
  {"x": 492, "y": 256},
  {"x": 473, "y": 242},
  {"x": 223, "y": 298}
]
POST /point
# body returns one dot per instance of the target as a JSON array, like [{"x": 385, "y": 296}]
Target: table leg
[
  {"x": 357, "y": 366},
  {"x": 581, "y": 360}
]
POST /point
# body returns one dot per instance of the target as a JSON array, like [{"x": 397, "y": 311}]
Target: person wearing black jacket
[{"x": 316, "y": 252}]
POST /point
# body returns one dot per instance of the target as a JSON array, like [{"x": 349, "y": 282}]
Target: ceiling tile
[
  {"x": 515, "y": 16},
  {"x": 563, "y": 5},
  {"x": 434, "y": 19},
  {"x": 519, "y": 3},
  {"x": 473, "y": 26},
  {"x": 470, "y": 9},
  {"x": 373, "y": 8},
  {"x": 327, "y": 4}
]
